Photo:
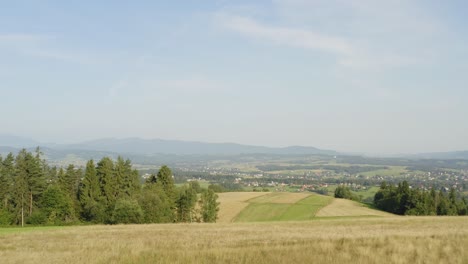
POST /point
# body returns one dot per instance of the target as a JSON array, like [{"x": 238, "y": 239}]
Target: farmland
[
  {"x": 283, "y": 207},
  {"x": 318, "y": 173}
]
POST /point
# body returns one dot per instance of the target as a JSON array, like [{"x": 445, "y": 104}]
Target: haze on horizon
[{"x": 355, "y": 76}]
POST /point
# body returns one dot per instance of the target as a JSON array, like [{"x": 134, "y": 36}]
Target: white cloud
[
  {"x": 285, "y": 36},
  {"x": 41, "y": 46},
  {"x": 363, "y": 35}
]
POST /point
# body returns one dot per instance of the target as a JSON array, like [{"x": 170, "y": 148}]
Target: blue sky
[{"x": 361, "y": 76}]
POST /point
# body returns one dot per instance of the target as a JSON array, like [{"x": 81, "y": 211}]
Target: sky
[{"x": 356, "y": 76}]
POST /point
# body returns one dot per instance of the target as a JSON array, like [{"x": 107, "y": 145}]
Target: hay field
[
  {"x": 285, "y": 206},
  {"x": 349, "y": 240},
  {"x": 280, "y": 198},
  {"x": 343, "y": 207},
  {"x": 282, "y": 207},
  {"x": 232, "y": 203}
]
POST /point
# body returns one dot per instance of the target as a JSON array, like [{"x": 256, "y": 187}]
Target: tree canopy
[{"x": 108, "y": 191}]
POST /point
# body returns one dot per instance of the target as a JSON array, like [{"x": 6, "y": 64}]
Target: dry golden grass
[
  {"x": 350, "y": 240},
  {"x": 343, "y": 207},
  {"x": 280, "y": 198},
  {"x": 232, "y": 203}
]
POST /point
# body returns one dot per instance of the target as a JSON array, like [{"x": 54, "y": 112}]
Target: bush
[
  {"x": 345, "y": 193},
  {"x": 156, "y": 205},
  {"x": 127, "y": 211},
  {"x": 5, "y": 217},
  {"x": 37, "y": 218},
  {"x": 57, "y": 207},
  {"x": 216, "y": 188}
]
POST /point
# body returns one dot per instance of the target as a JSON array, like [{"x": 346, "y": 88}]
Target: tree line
[
  {"x": 108, "y": 192},
  {"x": 403, "y": 200}
]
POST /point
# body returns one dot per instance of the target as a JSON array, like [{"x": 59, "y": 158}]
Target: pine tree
[
  {"x": 127, "y": 179},
  {"x": 108, "y": 185},
  {"x": 166, "y": 181},
  {"x": 185, "y": 204},
  {"x": 89, "y": 189},
  {"x": 67, "y": 180},
  {"x": 7, "y": 171},
  {"x": 90, "y": 195},
  {"x": 29, "y": 182}
]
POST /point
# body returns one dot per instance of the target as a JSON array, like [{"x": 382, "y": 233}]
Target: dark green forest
[
  {"x": 108, "y": 192},
  {"x": 403, "y": 200}
]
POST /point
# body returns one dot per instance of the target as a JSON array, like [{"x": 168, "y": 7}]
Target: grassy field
[
  {"x": 391, "y": 171},
  {"x": 347, "y": 240},
  {"x": 285, "y": 206},
  {"x": 232, "y": 203},
  {"x": 282, "y": 206},
  {"x": 343, "y": 207}
]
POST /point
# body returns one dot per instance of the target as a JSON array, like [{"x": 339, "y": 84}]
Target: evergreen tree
[
  {"x": 166, "y": 181},
  {"x": 185, "y": 204},
  {"x": 109, "y": 186},
  {"x": 90, "y": 195},
  {"x": 107, "y": 182},
  {"x": 68, "y": 180},
  {"x": 403, "y": 200},
  {"x": 29, "y": 183},
  {"x": 6, "y": 180},
  {"x": 126, "y": 178},
  {"x": 403, "y": 194}
]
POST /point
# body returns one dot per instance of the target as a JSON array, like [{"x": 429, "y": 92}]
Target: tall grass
[{"x": 356, "y": 240}]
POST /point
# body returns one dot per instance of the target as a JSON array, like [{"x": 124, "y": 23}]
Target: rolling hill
[
  {"x": 144, "y": 147},
  {"x": 152, "y": 146},
  {"x": 284, "y": 206}
]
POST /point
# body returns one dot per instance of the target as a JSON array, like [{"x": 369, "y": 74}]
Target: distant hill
[
  {"x": 17, "y": 142},
  {"x": 143, "y": 151},
  {"x": 154, "y": 146},
  {"x": 442, "y": 155}
]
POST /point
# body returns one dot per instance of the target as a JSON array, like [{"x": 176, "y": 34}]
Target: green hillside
[{"x": 282, "y": 207}]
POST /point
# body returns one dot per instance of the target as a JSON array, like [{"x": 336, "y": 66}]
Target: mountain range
[
  {"x": 150, "y": 147},
  {"x": 138, "y": 146}
]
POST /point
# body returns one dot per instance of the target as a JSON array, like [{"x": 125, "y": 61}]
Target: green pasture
[{"x": 263, "y": 209}]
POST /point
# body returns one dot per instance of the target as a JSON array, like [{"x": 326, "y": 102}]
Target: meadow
[
  {"x": 253, "y": 228},
  {"x": 285, "y": 206},
  {"x": 278, "y": 206},
  {"x": 323, "y": 240}
]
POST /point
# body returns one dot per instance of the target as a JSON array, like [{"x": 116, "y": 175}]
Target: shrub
[
  {"x": 127, "y": 211},
  {"x": 37, "y": 218},
  {"x": 5, "y": 217}
]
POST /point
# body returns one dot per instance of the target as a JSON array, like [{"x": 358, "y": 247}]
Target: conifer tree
[
  {"x": 166, "y": 181},
  {"x": 67, "y": 180},
  {"x": 6, "y": 179},
  {"x": 126, "y": 178},
  {"x": 185, "y": 204},
  {"x": 108, "y": 185},
  {"x": 30, "y": 182}
]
